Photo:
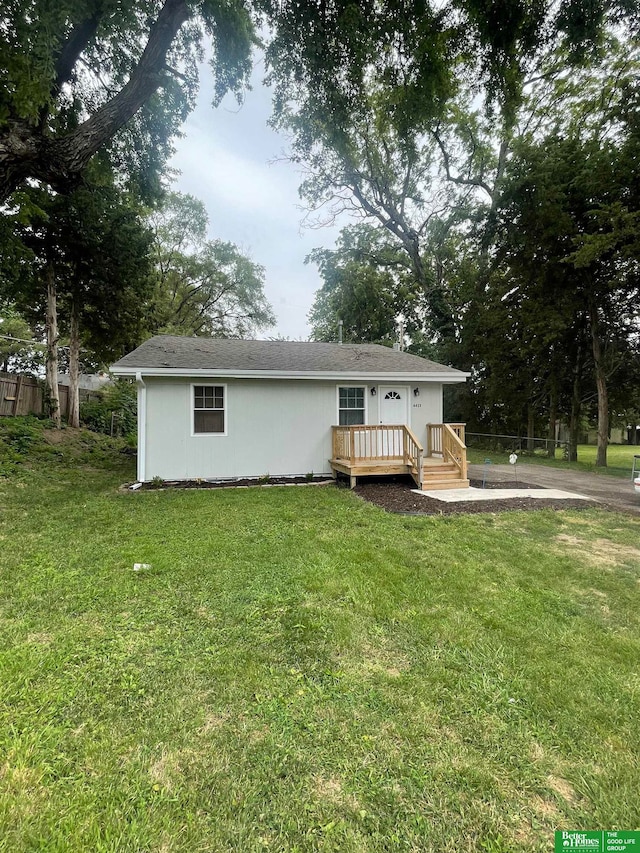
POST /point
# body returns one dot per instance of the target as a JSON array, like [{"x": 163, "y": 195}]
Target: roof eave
[{"x": 447, "y": 376}]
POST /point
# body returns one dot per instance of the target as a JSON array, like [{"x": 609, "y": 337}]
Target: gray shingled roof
[{"x": 181, "y": 353}]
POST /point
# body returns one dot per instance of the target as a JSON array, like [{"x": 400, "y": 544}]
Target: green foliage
[
  {"x": 362, "y": 287},
  {"x": 200, "y": 286},
  {"x": 98, "y": 247},
  {"x": 18, "y": 438},
  {"x": 63, "y": 66},
  {"x": 16, "y": 354},
  {"x": 30, "y": 443},
  {"x": 119, "y": 398},
  {"x": 565, "y": 267}
]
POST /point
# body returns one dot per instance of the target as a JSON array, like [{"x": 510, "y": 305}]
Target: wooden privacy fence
[{"x": 24, "y": 395}]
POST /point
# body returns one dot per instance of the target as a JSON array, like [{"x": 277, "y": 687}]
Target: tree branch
[
  {"x": 79, "y": 38},
  {"x": 468, "y": 182},
  {"x": 25, "y": 152}
]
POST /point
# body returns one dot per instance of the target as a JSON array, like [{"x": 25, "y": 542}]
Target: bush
[
  {"x": 119, "y": 399},
  {"x": 17, "y": 437}
]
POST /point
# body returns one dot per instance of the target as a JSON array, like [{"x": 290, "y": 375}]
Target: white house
[{"x": 222, "y": 409}]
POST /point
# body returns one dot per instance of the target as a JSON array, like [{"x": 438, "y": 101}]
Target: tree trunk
[
  {"x": 601, "y": 385},
  {"x": 74, "y": 366},
  {"x": 576, "y": 405},
  {"x": 52, "y": 396},
  {"x": 553, "y": 417},
  {"x": 531, "y": 428}
]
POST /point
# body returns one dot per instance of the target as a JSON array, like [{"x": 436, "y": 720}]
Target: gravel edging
[{"x": 241, "y": 483}]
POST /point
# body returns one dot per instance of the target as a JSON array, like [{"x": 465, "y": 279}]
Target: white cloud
[{"x": 246, "y": 186}]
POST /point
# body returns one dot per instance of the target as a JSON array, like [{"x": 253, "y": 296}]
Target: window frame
[
  {"x": 224, "y": 409},
  {"x": 364, "y": 389}
]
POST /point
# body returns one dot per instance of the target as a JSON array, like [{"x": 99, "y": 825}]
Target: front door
[
  {"x": 393, "y": 404},
  {"x": 393, "y": 411}
]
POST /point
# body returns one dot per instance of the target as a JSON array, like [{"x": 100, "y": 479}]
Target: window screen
[
  {"x": 208, "y": 408},
  {"x": 350, "y": 406}
]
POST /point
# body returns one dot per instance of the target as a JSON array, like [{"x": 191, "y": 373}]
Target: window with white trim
[
  {"x": 208, "y": 409},
  {"x": 350, "y": 406}
]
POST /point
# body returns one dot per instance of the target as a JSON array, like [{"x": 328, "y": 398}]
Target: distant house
[
  {"x": 86, "y": 381},
  {"x": 222, "y": 409}
]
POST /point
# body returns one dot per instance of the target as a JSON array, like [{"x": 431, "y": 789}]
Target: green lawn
[
  {"x": 299, "y": 671},
  {"x": 619, "y": 459}
]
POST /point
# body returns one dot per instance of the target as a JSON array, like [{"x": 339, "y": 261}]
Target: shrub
[
  {"x": 17, "y": 437},
  {"x": 118, "y": 398}
]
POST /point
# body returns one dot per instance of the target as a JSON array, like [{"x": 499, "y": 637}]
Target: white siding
[
  {"x": 276, "y": 427},
  {"x": 425, "y": 409}
]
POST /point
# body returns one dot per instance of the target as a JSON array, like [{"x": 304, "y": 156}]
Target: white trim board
[{"x": 342, "y": 378}]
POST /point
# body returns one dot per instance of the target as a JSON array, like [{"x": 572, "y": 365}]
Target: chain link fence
[{"x": 522, "y": 445}]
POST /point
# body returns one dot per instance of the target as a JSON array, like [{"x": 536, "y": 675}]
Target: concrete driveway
[{"x": 613, "y": 491}]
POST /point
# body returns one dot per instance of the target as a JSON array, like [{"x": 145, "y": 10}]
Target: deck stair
[
  {"x": 370, "y": 450},
  {"x": 445, "y": 475}
]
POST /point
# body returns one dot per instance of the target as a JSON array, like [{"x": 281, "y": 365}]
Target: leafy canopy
[{"x": 200, "y": 286}]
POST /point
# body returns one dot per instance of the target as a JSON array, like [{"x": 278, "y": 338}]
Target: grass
[
  {"x": 619, "y": 459},
  {"x": 299, "y": 671}
]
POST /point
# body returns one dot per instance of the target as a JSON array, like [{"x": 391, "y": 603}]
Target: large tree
[
  {"x": 201, "y": 286},
  {"x": 74, "y": 74},
  {"x": 84, "y": 275},
  {"x": 568, "y": 243},
  {"x": 445, "y": 178}
]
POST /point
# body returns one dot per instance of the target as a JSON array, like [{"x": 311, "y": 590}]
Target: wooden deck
[{"x": 372, "y": 450}]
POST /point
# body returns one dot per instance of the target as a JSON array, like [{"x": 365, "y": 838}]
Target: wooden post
[{"x": 16, "y": 399}]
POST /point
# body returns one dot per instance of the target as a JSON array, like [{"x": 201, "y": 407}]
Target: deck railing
[
  {"x": 435, "y": 437},
  {"x": 414, "y": 453},
  {"x": 378, "y": 443},
  {"x": 454, "y": 449},
  {"x": 447, "y": 440}
]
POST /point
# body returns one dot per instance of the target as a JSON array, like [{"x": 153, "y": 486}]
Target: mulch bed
[
  {"x": 394, "y": 494},
  {"x": 226, "y": 484}
]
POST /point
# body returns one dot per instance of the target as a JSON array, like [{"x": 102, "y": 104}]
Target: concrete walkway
[
  {"x": 453, "y": 496},
  {"x": 614, "y": 491}
]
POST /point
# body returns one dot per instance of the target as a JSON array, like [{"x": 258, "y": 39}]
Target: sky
[{"x": 225, "y": 159}]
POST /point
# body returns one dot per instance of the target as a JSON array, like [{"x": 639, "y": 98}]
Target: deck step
[
  {"x": 443, "y": 466},
  {"x": 429, "y": 485}
]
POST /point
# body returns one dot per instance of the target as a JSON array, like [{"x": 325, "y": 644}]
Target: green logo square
[{"x": 609, "y": 841}]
